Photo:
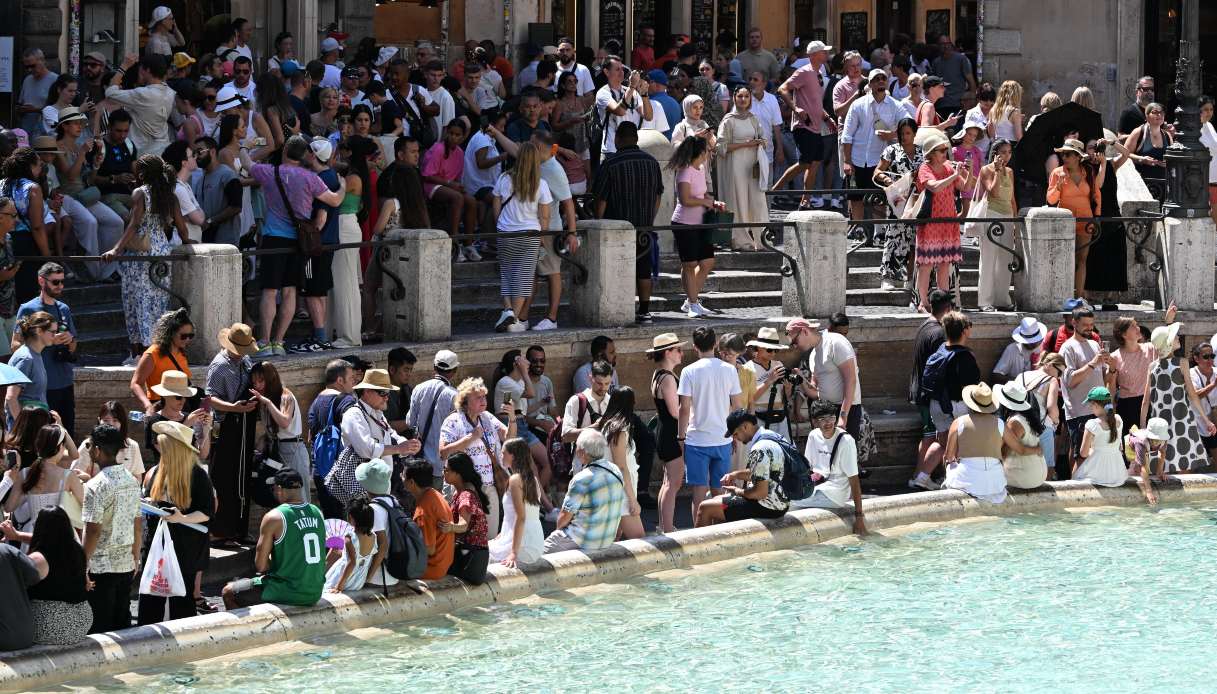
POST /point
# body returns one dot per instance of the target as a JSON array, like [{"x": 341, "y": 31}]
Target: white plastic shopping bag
[{"x": 162, "y": 575}]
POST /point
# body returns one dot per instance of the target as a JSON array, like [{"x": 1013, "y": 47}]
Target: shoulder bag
[{"x": 308, "y": 236}]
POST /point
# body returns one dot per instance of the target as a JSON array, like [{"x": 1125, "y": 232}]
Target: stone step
[
  {"x": 91, "y": 318},
  {"x": 106, "y": 347},
  {"x": 78, "y": 294}
]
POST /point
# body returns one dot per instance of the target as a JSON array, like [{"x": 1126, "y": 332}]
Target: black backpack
[
  {"x": 933, "y": 379},
  {"x": 422, "y": 128},
  {"x": 796, "y": 480},
  {"x": 407, "y": 557}
]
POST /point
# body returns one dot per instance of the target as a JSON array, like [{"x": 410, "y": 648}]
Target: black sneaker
[
  {"x": 322, "y": 346},
  {"x": 643, "y": 319},
  {"x": 301, "y": 347}
]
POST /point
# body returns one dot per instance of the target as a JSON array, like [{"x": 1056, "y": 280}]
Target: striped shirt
[
  {"x": 595, "y": 497},
  {"x": 430, "y": 404},
  {"x": 228, "y": 380},
  {"x": 630, "y": 182}
]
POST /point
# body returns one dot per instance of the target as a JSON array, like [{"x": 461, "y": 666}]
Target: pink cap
[{"x": 802, "y": 323}]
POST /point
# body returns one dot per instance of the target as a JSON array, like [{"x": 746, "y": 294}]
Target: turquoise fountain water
[{"x": 1101, "y": 601}]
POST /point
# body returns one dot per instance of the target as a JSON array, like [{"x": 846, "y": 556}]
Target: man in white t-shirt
[
  {"x": 434, "y": 72},
  {"x": 709, "y": 390},
  {"x": 541, "y": 407},
  {"x": 833, "y": 457},
  {"x": 374, "y": 476},
  {"x": 567, "y": 63},
  {"x": 829, "y": 370},
  {"x": 332, "y": 78},
  {"x": 769, "y": 113},
  {"x": 620, "y": 102},
  {"x": 585, "y": 407}
]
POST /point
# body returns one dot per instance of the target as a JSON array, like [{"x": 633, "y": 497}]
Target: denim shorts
[
  {"x": 524, "y": 432},
  {"x": 706, "y": 465}
]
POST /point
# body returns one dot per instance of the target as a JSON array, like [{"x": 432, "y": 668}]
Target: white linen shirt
[
  {"x": 367, "y": 440},
  {"x": 865, "y": 116}
]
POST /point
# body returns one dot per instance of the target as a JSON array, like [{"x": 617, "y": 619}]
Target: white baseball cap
[
  {"x": 160, "y": 14},
  {"x": 385, "y": 55},
  {"x": 329, "y": 44},
  {"x": 322, "y": 149},
  {"x": 446, "y": 359},
  {"x": 816, "y": 47}
]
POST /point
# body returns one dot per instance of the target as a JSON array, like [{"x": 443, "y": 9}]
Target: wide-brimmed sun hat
[
  {"x": 376, "y": 379},
  {"x": 768, "y": 338},
  {"x": 70, "y": 114},
  {"x": 46, "y": 144},
  {"x": 238, "y": 338},
  {"x": 1163, "y": 338},
  {"x": 1012, "y": 396},
  {"x": 1029, "y": 332},
  {"x": 1072, "y": 145},
  {"x": 177, "y": 431},
  {"x": 979, "y": 398},
  {"x": 664, "y": 342},
  {"x": 174, "y": 383}
]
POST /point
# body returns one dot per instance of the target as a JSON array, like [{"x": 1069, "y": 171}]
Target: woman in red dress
[{"x": 938, "y": 244}]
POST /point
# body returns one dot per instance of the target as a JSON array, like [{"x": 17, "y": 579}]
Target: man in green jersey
[{"x": 290, "y": 556}]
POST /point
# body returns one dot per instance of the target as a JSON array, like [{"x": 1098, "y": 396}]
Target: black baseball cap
[{"x": 934, "y": 81}]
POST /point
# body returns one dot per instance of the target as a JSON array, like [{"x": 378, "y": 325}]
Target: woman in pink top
[
  {"x": 443, "y": 165},
  {"x": 692, "y": 245},
  {"x": 1132, "y": 359}
]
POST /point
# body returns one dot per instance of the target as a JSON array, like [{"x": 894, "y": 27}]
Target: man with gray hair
[
  {"x": 594, "y": 500},
  {"x": 290, "y": 189},
  {"x": 34, "y": 89}
]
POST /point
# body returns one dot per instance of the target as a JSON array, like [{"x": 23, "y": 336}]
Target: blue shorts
[
  {"x": 524, "y": 432},
  {"x": 706, "y": 465}
]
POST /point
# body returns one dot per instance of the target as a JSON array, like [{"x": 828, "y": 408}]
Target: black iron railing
[{"x": 158, "y": 267}]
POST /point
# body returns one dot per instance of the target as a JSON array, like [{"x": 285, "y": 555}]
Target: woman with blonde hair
[
  {"x": 180, "y": 486},
  {"x": 1006, "y": 116},
  {"x": 521, "y": 204},
  {"x": 1082, "y": 96},
  {"x": 472, "y": 430}
]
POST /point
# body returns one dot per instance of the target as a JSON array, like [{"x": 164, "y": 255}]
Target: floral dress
[
  {"x": 144, "y": 302},
  {"x": 900, "y": 237},
  {"x": 940, "y": 242},
  {"x": 467, "y": 501}
]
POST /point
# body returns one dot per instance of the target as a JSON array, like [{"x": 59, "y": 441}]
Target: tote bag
[{"x": 162, "y": 575}]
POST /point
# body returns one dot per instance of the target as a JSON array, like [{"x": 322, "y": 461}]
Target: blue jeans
[{"x": 1048, "y": 444}]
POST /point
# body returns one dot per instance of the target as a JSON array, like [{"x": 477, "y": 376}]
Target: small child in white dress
[
  {"x": 348, "y": 567},
  {"x": 1101, "y": 445}
]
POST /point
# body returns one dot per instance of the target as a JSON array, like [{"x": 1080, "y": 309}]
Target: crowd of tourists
[{"x": 380, "y": 481}]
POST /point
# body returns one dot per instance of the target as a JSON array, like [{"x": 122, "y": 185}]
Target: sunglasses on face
[
  {"x": 55, "y": 283},
  {"x": 1207, "y": 357},
  {"x": 186, "y": 336}
]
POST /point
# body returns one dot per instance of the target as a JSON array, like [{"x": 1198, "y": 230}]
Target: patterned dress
[
  {"x": 1168, "y": 400},
  {"x": 939, "y": 243},
  {"x": 144, "y": 302},
  {"x": 900, "y": 237}
]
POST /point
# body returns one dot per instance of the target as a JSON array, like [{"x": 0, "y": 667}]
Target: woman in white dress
[
  {"x": 615, "y": 425},
  {"x": 521, "y": 541},
  {"x": 973, "y": 456},
  {"x": 348, "y": 567},
  {"x": 1023, "y": 458},
  {"x": 1103, "y": 462},
  {"x": 744, "y": 170}
]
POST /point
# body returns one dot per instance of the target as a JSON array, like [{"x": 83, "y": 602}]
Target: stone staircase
[{"x": 97, "y": 308}]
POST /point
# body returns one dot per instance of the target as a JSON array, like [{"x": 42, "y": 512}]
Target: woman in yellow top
[
  {"x": 1075, "y": 185},
  {"x": 170, "y": 337}
]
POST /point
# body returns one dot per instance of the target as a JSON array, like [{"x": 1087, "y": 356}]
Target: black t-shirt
[
  {"x": 1131, "y": 118},
  {"x": 119, "y": 159},
  {"x": 17, "y": 573},
  {"x": 302, "y": 113},
  {"x": 929, "y": 336},
  {"x": 961, "y": 371}
]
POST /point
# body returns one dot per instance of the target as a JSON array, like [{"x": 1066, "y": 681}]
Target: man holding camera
[
  {"x": 829, "y": 369},
  {"x": 773, "y": 384},
  {"x": 616, "y": 105},
  {"x": 59, "y": 357}
]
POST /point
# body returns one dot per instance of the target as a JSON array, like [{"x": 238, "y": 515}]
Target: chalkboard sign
[
  {"x": 855, "y": 30},
  {"x": 937, "y": 23},
  {"x": 612, "y": 23},
  {"x": 702, "y": 29}
]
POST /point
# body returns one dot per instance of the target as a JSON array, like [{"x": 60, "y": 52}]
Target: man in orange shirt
[
  {"x": 643, "y": 55},
  {"x": 429, "y": 511}
]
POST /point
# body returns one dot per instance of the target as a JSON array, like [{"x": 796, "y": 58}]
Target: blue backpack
[
  {"x": 796, "y": 473},
  {"x": 933, "y": 379},
  {"x": 327, "y": 444}
]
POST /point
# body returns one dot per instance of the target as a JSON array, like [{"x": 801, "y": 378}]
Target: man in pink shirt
[{"x": 804, "y": 94}]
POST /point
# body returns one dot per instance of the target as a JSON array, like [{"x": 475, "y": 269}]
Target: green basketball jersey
[{"x": 297, "y": 561}]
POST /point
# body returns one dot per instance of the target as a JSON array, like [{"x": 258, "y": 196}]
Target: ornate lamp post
[{"x": 1187, "y": 161}]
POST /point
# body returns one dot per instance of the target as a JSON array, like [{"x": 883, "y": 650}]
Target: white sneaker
[
  {"x": 506, "y": 319},
  {"x": 697, "y": 311},
  {"x": 471, "y": 254},
  {"x": 518, "y": 327},
  {"x": 130, "y": 361},
  {"x": 924, "y": 483},
  {"x": 684, "y": 308},
  {"x": 887, "y": 285},
  {"x": 817, "y": 203},
  {"x": 460, "y": 257},
  {"x": 544, "y": 324}
]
